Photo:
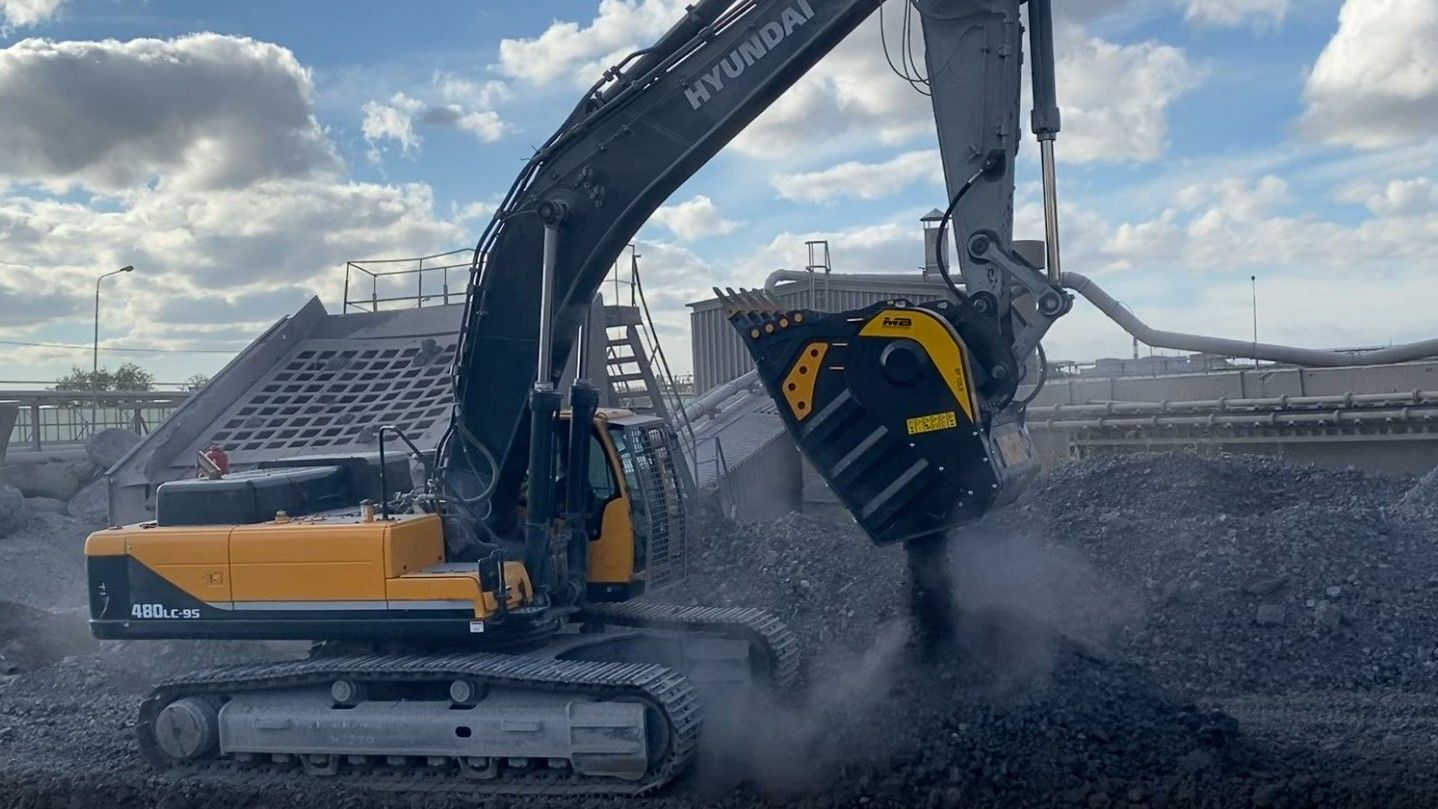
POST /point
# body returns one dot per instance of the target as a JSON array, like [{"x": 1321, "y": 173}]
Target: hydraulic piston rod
[
  {"x": 544, "y": 404},
  {"x": 544, "y": 369},
  {"x": 1046, "y": 125}
]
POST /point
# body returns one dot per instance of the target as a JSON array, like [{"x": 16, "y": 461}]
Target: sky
[{"x": 238, "y": 154}]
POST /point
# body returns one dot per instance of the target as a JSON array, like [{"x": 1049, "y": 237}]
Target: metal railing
[
  {"x": 720, "y": 465},
  {"x": 50, "y": 419},
  {"x": 407, "y": 283},
  {"x": 1413, "y": 409}
]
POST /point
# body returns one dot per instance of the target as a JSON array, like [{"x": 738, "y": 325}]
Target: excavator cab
[{"x": 638, "y": 520}]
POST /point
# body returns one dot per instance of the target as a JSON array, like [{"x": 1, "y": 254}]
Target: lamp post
[
  {"x": 95, "y": 355},
  {"x": 1253, "y": 282}
]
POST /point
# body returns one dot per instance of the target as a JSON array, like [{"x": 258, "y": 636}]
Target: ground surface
[{"x": 1147, "y": 631}]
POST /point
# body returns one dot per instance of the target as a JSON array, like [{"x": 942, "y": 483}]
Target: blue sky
[{"x": 240, "y": 153}]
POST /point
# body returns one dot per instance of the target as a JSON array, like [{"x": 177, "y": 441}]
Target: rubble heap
[{"x": 1139, "y": 631}]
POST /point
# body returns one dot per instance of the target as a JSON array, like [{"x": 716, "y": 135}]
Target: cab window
[{"x": 601, "y": 477}]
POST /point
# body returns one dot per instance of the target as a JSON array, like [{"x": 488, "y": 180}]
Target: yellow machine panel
[
  {"x": 451, "y": 586},
  {"x": 799, "y": 384},
  {"x": 308, "y": 561},
  {"x": 197, "y": 560},
  {"x": 939, "y": 341},
  {"x": 611, "y": 557},
  {"x": 110, "y": 542},
  {"x": 413, "y": 544}
]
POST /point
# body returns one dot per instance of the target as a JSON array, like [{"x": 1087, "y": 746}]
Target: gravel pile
[
  {"x": 13, "y": 514},
  {"x": 1252, "y": 575},
  {"x": 1142, "y": 631},
  {"x": 1420, "y": 503},
  {"x": 42, "y": 563}
]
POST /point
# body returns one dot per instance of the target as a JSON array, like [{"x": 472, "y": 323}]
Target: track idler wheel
[{"x": 187, "y": 730}]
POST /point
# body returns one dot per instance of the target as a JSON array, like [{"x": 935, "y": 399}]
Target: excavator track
[
  {"x": 672, "y": 710},
  {"x": 766, "y": 634}
]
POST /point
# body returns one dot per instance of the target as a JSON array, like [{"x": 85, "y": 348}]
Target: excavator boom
[{"x": 638, "y": 135}]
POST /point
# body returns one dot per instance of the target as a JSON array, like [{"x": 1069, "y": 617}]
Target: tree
[
  {"x": 128, "y": 377},
  {"x": 196, "y": 382},
  {"x": 132, "y": 377},
  {"x": 81, "y": 379}
]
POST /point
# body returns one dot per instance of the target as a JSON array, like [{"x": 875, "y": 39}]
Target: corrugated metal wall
[{"x": 719, "y": 354}]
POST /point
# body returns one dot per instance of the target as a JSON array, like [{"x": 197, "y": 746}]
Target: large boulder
[
  {"x": 20, "y": 476},
  {"x": 107, "y": 447},
  {"x": 92, "y": 504},
  {"x": 58, "y": 478},
  {"x": 12, "y": 510},
  {"x": 55, "y": 480},
  {"x": 84, "y": 470},
  {"x": 46, "y": 505}
]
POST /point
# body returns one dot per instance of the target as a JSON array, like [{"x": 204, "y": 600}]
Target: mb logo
[{"x": 897, "y": 322}]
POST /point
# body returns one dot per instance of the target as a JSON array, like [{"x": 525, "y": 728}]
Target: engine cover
[{"x": 903, "y": 409}]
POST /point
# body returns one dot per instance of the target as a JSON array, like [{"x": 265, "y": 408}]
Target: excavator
[{"x": 482, "y": 631}]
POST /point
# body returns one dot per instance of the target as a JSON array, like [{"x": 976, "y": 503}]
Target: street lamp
[
  {"x": 1253, "y": 282},
  {"x": 95, "y": 357}
]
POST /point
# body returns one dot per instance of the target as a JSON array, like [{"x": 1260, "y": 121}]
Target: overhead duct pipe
[
  {"x": 709, "y": 403},
  {"x": 1314, "y": 358}
]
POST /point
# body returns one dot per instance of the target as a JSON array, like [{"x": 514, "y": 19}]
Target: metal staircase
[
  {"x": 637, "y": 372},
  {"x": 629, "y": 367},
  {"x": 639, "y": 377}
]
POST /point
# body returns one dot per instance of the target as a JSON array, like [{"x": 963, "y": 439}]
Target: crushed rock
[
  {"x": 1420, "y": 503},
  {"x": 13, "y": 513},
  {"x": 1109, "y": 655}
]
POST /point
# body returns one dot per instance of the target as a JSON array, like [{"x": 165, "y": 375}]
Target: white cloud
[
  {"x": 1115, "y": 98},
  {"x": 453, "y": 103},
  {"x": 199, "y": 111},
  {"x": 474, "y": 211},
  {"x": 856, "y": 180},
  {"x": 469, "y": 107},
  {"x": 694, "y": 219},
  {"x": 22, "y": 306},
  {"x": 206, "y": 169},
  {"x": 850, "y": 99},
  {"x": 580, "y": 54},
  {"x": 893, "y": 246},
  {"x": 1237, "y": 13},
  {"x": 392, "y": 120},
  {"x": 1186, "y": 265},
  {"x": 1408, "y": 197},
  {"x": 22, "y": 13},
  {"x": 294, "y": 231},
  {"x": 1376, "y": 82},
  {"x": 213, "y": 268}
]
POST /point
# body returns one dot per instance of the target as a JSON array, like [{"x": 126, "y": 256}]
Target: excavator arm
[
  {"x": 645, "y": 128},
  {"x": 630, "y": 143}
]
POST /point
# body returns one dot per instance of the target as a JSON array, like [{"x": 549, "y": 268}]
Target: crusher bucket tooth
[{"x": 905, "y": 410}]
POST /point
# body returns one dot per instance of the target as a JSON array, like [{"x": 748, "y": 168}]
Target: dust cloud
[
  {"x": 791, "y": 745},
  {"x": 1020, "y": 601}
]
